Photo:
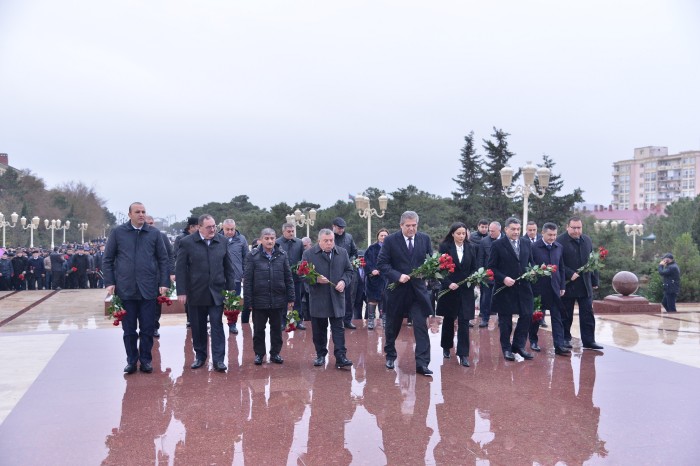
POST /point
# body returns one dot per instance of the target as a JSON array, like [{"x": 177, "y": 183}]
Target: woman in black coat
[
  {"x": 459, "y": 302},
  {"x": 375, "y": 283}
]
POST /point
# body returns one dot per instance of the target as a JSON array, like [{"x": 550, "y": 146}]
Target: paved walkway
[{"x": 64, "y": 399}]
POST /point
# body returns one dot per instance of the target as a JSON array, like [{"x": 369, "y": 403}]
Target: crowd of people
[{"x": 68, "y": 266}]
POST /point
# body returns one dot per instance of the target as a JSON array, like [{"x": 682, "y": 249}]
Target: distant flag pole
[{"x": 351, "y": 197}]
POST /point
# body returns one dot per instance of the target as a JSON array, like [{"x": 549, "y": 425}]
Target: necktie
[
  {"x": 410, "y": 245},
  {"x": 329, "y": 255},
  {"x": 516, "y": 247},
  {"x": 549, "y": 246}
]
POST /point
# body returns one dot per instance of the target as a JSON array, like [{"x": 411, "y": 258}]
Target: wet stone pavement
[{"x": 65, "y": 401}]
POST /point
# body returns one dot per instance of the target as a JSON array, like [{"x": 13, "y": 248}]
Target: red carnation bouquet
[
  {"x": 432, "y": 268},
  {"x": 167, "y": 298},
  {"x": 291, "y": 321},
  {"x": 116, "y": 310},
  {"x": 308, "y": 271},
  {"x": 358, "y": 263},
  {"x": 233, "y": 305},
  {"x": 533, "y": 273},
  {"x": 481, "y": 276},
  {"x": 595, "y": 261}
]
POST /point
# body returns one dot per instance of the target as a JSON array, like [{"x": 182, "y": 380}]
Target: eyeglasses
[{"x": 209, "y": 227}]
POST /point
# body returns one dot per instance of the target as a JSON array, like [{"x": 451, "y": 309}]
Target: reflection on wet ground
[{"x": 633, "y": 403}]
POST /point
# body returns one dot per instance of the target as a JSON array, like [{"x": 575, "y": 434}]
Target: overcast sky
[{"x": 178, "y": 103}]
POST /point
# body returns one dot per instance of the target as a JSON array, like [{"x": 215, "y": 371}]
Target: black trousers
[
  {"x": 522, "y": 327},
  {"x": 198, "y": 321},
  {"x": 554, "y": 305},
  {"x": 260, "y": 319},
  {"x": 394, "y": 320},
  {"x": 448, "y": 333},
  {"x": 319, "y": 327},
  {"x": 585, "y": 318}
]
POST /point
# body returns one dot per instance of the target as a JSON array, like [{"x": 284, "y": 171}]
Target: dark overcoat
[
  {"x": 516, "y": 299},
  {"x": 395, "y": 260},
  {"x": 672, "y": 278},
  {"x": 575, "y": 256},
  {"x": 203, "y": 271},
  {"x": 549, "y": 288},
  {"x": 136, "y": 262},
  {"x": 324, "y": 300},
  {"x": 374, "y": 284},
  {"x": 461, "y": 300}
]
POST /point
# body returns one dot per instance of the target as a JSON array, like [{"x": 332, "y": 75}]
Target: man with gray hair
[
  {"x": 237, "y": 247},
  {"x": 401, "y": 253},
  {"x": 327, "y": 296}
]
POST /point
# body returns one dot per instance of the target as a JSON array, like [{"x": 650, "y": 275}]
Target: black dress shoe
[
  {"x": 258, "y": 359},
  {"x": 523, "y": 353},
  {"x": 483, "y": 324},
  {"x": 471, "y": 325},
  {"x": 156, "y": 334},
  {"x": 146, "y": 367},
  {"x": 276, "y": 358},
  {"x": 389, "y": 363},
  {"x": 409, "y": 323},
  {"x": 543, "y": 324},
  {"x": 342, "y": 362},
  {"x": 233, "y": 329},
  {"x": 593, "y": 346},
  {"x": 370, "y": 324},
  {"x": 350, "y": 326},
  {"x": 560, "y": 350},
  {"x": 535, "y": 347},
  {"x": 130, "y": 368},
  {"x": 301, "y": 326},
  {"x": 567, "y": 344},
  {"x": 424, "y": 370},
  {"x": 319, "y": 361},
  {"x": 509, "y": 356},
  {"x": 197, "y": 364},
  {"x": 220, "y": 367},
  {"x": 446, "y": 353},
  {"x": 463, "y": 361},
  {"x": 188, "y": 325}
]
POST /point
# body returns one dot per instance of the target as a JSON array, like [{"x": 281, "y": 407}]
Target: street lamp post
[
  {"x": 64, "y": 228},
  {"x": 530, "y": 172},
  {"x": 33, "y": 225},
  {"x": 53, "y": 225},
  {"x": 634, "y": 230},
  {"x": 604, "y": 224},
  {"x": 364, "y": 211},
  {"x": 299, "y": 219},
  {"x": 11, "y": 224},
  {"x": 82, "y": 227}
]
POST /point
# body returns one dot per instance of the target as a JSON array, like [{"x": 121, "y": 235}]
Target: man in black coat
[
  {"x": 57, "y": 273},
  {"x": 294, "y": 248},
  {"x": 401, "y": 253},
  {"x": 550, "y": 289},
  {"x": 509, "y": 259},
  {"x": 203, "y": 271},
  {"x": 579, "y": 288},
  {"x": 268, "y": 290},
  {"x": 482, "y": 259},
  {"x": 135, "y": 269},
  {"x": 671, "y": 273},
  {"x": 344, "y": 240},
  {"x": 171, "y": 271}
]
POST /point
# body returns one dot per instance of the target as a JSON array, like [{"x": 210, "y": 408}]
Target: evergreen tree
[
  {"x": 688, "y": 258},
  {"x": 496, "y": 205},
  {"x": 468, "y": 196}
]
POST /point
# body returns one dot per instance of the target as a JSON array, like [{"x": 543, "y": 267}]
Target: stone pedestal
[{"x": 625, "y": 283}]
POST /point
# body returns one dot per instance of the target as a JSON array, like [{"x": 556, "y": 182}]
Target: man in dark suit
[
  {"x": 402, "y": 252},
  {"x": 136, "y": 270},
  {"x": 510, "y": 257},
  {"x": 671, "y": 273},
  {"x": 579, "y": 288},
  {"x": 171, "y": 271},
  {"x": 203, "y": 271},
  {"x": 531, "y": 232},
  {"x": 550, "y": 289},
  {"x": 482, "y": 259}
]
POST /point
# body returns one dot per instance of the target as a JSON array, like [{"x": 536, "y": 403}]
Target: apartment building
[{"x": 653, "y": 178}]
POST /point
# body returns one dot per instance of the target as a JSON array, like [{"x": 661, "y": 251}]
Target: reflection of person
[
  {"x": 403, "y": 252},
  {"x": 203, "y": 272},
  {"x": 510, "y": 257},
  {"x": 550, "y": 289},
  {"x": 579, "y": 288},
  {"x": 268, "y": 290},
  {"x": 136, "y": 270},
  {"x": 327, "y": 301},
  {"x": 375, "y": 283},
  {"x": 458, "y": 303},
  {"x": 671, "y": 273}
]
